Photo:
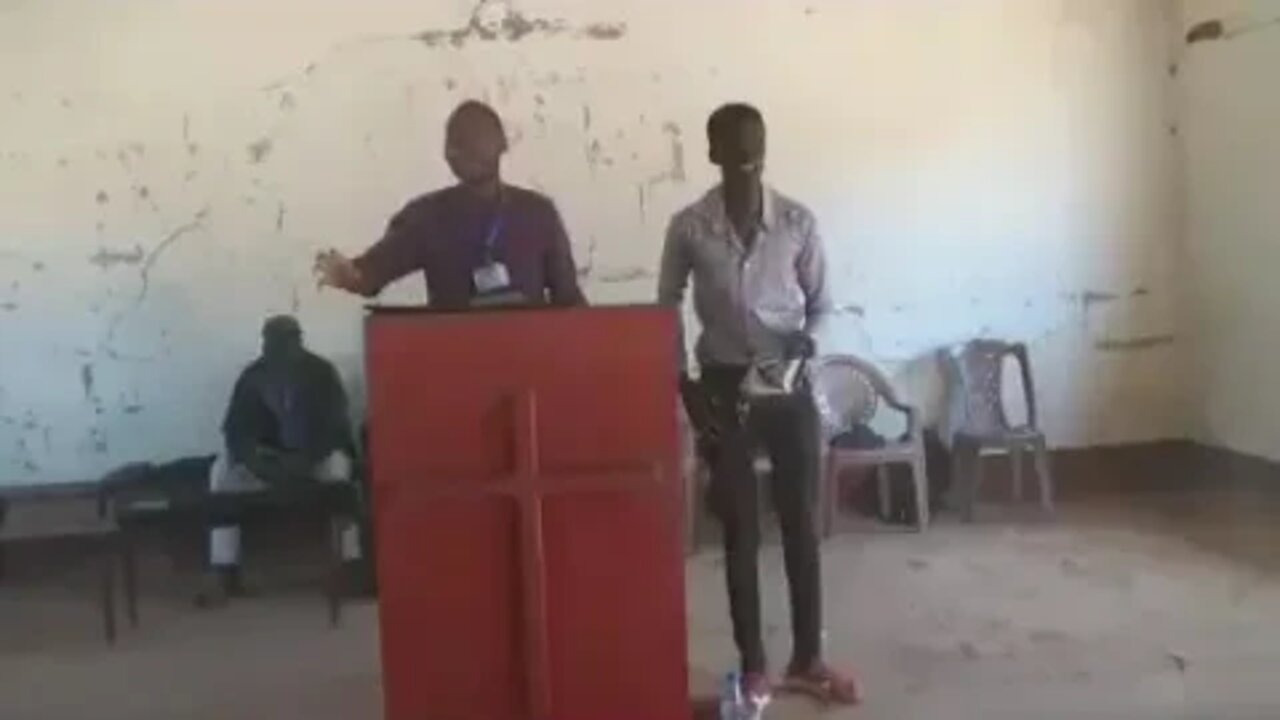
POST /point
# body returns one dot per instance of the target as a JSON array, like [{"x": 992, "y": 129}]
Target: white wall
[
  {"x": 1231, "y": 98},
  {"x": 169, "y": 167}
]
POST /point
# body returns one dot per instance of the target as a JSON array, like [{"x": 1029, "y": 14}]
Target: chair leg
[
  {"x": 129, "y": 572},
  {"x": 1015, "y": 469},
  {"x": 1045, "y": 475},
  {"x": 973, "y": 469},
  {"x": 108, "y": 598},
  {"x": 830, "y": 494},
  {"x": 885, "y": 488},
  {"x": 920, "y": 478},
  {"x": 333, "y": 590}
]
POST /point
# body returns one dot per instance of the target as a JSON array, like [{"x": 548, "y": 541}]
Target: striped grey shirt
[{"x": 748, "y": 303}]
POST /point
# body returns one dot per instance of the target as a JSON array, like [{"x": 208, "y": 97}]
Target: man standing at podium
[
  {"x": 478, "y": 243},
  {"x": 760, "y": 293}
]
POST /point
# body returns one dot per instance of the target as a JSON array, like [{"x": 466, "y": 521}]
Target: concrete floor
[{"x": 1146, "y": 605}]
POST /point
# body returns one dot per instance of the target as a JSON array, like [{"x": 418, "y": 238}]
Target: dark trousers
[{"x": 787, "y": 429}]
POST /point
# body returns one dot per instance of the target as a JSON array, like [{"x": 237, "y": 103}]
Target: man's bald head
[{"x": 474, "y": 143}]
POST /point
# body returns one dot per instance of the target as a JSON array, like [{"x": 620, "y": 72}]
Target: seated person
[{"x": 287, "y": 424}]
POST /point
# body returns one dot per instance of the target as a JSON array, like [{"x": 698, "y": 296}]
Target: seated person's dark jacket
[{"x": 300, "y": 413}]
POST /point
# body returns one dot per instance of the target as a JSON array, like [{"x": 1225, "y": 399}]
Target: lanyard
[{"x": 491, "y": 237}]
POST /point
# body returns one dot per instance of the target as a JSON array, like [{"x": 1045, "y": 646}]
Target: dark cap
[{"x": 281, "y": 326}]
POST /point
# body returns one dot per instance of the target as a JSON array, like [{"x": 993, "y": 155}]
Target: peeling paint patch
[
  {"x": 260, "y": 150},
  {"x": 676, "y": 170},
  {"x": 1134, "y": 344},
  {"x": 595, "y": 157},
  {"x": 494, "y": 20},
  {"x": 144, "y": 275},
  {"x": 106, "y": 258}
]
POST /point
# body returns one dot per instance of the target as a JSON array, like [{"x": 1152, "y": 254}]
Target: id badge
[{"x": 491, "y": 278}]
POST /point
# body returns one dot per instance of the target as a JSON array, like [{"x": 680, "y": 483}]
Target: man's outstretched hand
[{"x": 335, "y": 270}]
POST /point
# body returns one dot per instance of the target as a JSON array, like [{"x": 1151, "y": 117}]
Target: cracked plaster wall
[{"x": 168, "y": 170}]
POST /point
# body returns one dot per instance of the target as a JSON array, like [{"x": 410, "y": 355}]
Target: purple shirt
[{"x": 443, "y": 234}]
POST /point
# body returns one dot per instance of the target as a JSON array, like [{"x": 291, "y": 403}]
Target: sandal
[{"x": 823, "y": 684}]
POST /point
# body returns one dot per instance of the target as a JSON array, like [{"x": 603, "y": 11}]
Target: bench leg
[
  {"x": 129, "y": 568},
  {"x": 108, "y": 598}
]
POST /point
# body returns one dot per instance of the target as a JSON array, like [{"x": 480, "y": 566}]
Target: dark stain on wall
[
  {"x": 102, "y": 198},
  {"x": 1134, "y": 344},
  {"x": 604, "y": 31},
  {"x": 260, "y": 150},
  {"x": 99, "y": 441},
  {"x": 586, "y": 268},
  {"x": 106, "y": 258},
  {"x": 1207, "y": 30},
  {"x": 1091, "y": 298},
  {"x": 625, "y": 275},
  {"x": 87, "y": 380}
]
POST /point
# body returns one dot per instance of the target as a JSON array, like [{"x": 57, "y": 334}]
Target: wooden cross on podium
[{"x": 529, "y": 486}]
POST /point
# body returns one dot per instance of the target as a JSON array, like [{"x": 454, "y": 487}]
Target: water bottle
[
  {"x": 731, "y": 697},
  {"x": 735, "y": 706}
]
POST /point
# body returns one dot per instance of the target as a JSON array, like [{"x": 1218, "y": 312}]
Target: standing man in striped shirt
[{"x": 760, "y": 293}]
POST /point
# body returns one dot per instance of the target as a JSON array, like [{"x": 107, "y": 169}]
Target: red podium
[{"x": 526, "y": 493}]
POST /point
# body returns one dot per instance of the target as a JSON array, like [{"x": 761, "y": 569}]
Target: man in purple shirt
[{"x": 480, "y": 242}]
